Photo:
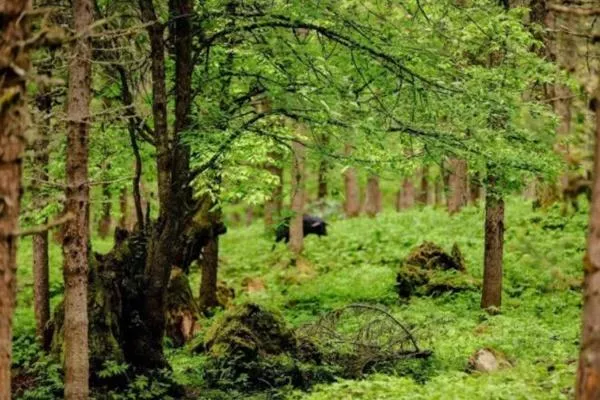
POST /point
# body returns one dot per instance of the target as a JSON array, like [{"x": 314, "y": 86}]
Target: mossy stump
[{"x": 430, "y": 271}]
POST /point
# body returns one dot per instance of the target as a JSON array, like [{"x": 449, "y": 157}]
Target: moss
[
  {"x": 252, "y": 348},
  {"x": 430, "y": 271}
]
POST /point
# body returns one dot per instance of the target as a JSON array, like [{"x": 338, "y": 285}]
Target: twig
[{"x": 46, "y": 227}]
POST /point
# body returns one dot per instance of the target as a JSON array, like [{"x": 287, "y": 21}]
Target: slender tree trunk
[
  {"x": 208, "y": 284},
  {"x": 76, "y": 236},
  {"x": 457, "y": 185},
  {"x": 373, "y": 197},
  {"x": 474, "y": 190},
  {"x": 123, "y": 209},
  {"x": 105, "y": 218},
  {"x": 494, "y": 248},
  {"x": 323, "y": 171},
  {"x": 423, "y": 186},
  {"x": 273, "y": 206},
  {"x": 588, "y": 372},
  {"x": 439, "y": 191},
  {"x": 13, "y": 123},
  {"x": 352, "y": 189},
  {"x": 298, "y": 192},
  {"x": 41, "y": 279}
]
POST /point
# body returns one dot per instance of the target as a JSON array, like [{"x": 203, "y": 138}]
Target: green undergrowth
[{"x": 537, "y": 329}]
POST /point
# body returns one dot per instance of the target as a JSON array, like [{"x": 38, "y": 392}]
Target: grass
[{"x": 538, "y": 329}]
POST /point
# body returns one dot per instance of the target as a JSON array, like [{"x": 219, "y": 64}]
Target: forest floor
[{"x": 537, "y": 330}]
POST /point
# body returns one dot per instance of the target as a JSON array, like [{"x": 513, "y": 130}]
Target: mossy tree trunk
[
  {"x": 13, "y": 123},
  {"x": 40, "y": 241}
]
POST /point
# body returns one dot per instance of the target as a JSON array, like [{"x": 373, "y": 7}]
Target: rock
[{"x": 487, "y": 360}]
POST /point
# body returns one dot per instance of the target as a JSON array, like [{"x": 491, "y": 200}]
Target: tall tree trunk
[
  {"x": 76, "y": 235},
  {"x": 208, "y": 284},
  {"x": 274, "y": 205},
  {"x": 406, "y": 195},
  {"x": 323, "y": 171},
  {"x": 494, "y": 248},
  {"x": 373, "y": 197},
  {"x": 588, "y": 372},
  {"x": 105, "y": 218},
  {"x": 457, "y": 185},
  {"x": 13, "y": 123},
  {"x": 41, "y": 279},
  {"x": 123, "y": 209},
  {"x": 298, "y": 192},
  {"x": 352, "y": 189},
  {"x": 439, "y": 190},
  {"x": 423, "y": 186}
]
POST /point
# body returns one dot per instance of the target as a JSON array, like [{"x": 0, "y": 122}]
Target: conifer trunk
[
  {"x": 13, "y": 123},
  {"x": 588, "y": 372},
  {"x": 40, "y": 241},
  {"x": 494, "y": 248},
  {"x": 76, "y": 233}
]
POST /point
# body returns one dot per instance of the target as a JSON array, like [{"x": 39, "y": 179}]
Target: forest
[{"x": 299, "y": 199}]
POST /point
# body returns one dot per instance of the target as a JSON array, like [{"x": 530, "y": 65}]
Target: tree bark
[
  {"x": 14, "y": 59},
  {"x": 474, "y": 190},
  {"x": 423, "y": 186},
  {"x": 41, "y": 279},
  {"x": 457, "y": 185},
  {"x": 123, "y": 209},
  {"x": 588, "y": 372},
  {"x": 274, "y": 205},
  {"x": 373, "y": 197},
  {"x": 208, "y": 284},
  {"x": 322, "y": 189},
  {"x": 494, "y": 248},
  {"x": 105, "y": 218},
  {"x": 76, "y": 235},
  {"x": 296, "y": 244},
  {"x": 352, "y": 189},
  {"x": 406, "y": 195}
]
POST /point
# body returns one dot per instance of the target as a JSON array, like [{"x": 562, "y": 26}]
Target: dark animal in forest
[{"x": 311, "y": 225}]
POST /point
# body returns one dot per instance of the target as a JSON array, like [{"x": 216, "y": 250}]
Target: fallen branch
[{"x": 581, "y": 11}]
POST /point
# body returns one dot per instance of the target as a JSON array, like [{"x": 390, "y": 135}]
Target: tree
[
  {"x": 588, "y": 371},
  {"x": 457, "y": 185},
  {"x": 423, "y": 186},
  {"x": 406, "y": 195},
  {"x": 76, "y": 231},
  {"x": 373, "y": 197},
  {"x": 298, "y": 177},
  {"x": 351, "y": 187},
  {"x": 494, "y": 247},
  {"x": 41, "y": 279},
  {"x": 14, "y": 64}
]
